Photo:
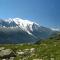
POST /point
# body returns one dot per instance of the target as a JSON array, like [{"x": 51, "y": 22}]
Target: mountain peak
[
  {"x": 16, "y": 30},
  {"x": 24, "y": 25}
]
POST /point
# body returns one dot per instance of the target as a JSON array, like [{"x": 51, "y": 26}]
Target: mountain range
[{"x": 16, "y": 30}]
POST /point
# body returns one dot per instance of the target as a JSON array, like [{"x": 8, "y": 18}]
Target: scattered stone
[
  {"x": 26, "y": 49},
  {"x": 37, "y": 59},
  {"x": 2, "y": 48},
  {"x": 20, "y": 53},
  {"x": 32, "y": 49},
  {"x": 5, "y": 52},
  {"x": 11, "y": 58},
  {"x": 52, "y": 58},
  {"x": 3, "y": 59}
]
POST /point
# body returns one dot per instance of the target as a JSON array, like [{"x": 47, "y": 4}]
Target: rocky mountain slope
[{"x": 16, "y": 30}]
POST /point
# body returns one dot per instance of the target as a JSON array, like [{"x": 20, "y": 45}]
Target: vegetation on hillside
[{"x": 48, "y": 49}]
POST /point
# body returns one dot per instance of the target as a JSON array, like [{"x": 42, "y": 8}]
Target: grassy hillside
[{"x": 48, "y": 49}]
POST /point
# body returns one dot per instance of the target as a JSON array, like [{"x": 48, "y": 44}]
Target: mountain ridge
[
  {"x": 18, "y": 23},
  {"x": 16, "y": 30}
]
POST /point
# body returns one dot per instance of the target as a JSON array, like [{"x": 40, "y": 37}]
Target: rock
[
  {"x": 37, "y": 59},
  {"x": 11, "y": 58},
  {"x": 32, "y": 50},
  {"x": 2, "y": 48},
  {"x": 5, "y": 52},
  {"x": 20, "y": 53}
]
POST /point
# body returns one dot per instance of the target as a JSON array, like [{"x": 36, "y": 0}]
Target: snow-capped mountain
[
  {"x": 55, "y": 29},
  {"x": 24, "y": 25},
  {"x": 16, "y": 30}
]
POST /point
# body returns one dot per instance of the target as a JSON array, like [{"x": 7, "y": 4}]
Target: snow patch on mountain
[
  {"x": 25, "y": 25},
  {"x": 55, "y": 29}
]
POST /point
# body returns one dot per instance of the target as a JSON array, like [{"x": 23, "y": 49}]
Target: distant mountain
[
  {"x": 54, "y": 38},
  {"x": 16, "y": 30}
]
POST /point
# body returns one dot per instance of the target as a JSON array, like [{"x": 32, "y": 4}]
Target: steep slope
[
  {"x": 16, "y": 30},
  {"x": 24, "y": 25}
]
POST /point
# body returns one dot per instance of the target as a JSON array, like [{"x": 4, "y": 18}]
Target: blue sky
[{"x": 44, "y": 12}]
